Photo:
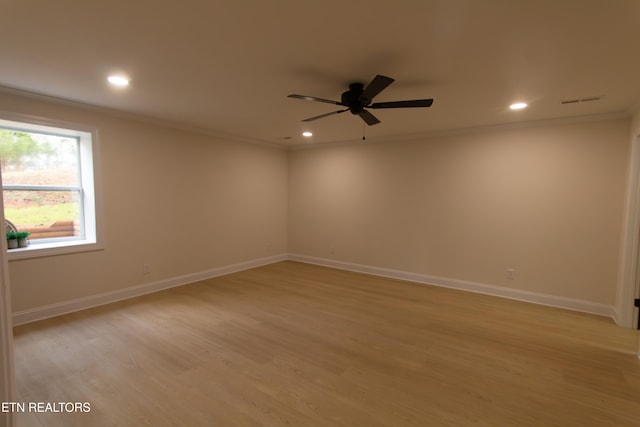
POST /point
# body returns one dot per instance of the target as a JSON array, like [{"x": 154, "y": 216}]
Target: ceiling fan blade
[
  {"x": 310, "y": 119},
  {"x": 369, "y": 118},
  {"x": 314, "y": 99},
  {"x": 377, "y": 85},
  {"x": 416, "y": 103}
]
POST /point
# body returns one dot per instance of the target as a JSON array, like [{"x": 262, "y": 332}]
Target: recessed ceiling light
[
  {"x": 119, "y": 81},
  {"x": 518, "y": 106},
  {"x": 307, "y": 134}
]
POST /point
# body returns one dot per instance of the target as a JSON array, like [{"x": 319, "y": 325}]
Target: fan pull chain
[{"x": 363, "y": 132}]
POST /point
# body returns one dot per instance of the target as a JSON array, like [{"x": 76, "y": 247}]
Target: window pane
[
  {"x": 36, "y": 159},
  {"x": 45, "y": 214}
]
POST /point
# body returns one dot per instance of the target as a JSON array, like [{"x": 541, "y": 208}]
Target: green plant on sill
[
  {"x": 12, "y": 235},
  {"x": 22, "y": 234}
]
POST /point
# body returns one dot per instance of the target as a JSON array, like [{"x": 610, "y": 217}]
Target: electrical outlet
[
  {"x": 511, "y": 273},
  {"x": 146, "y": 269}
]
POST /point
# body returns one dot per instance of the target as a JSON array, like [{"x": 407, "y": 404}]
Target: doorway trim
[
  {"x": 7, "y": 386},
  {"x": 628, "y": 280}
]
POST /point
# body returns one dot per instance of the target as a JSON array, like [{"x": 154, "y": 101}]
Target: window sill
[{"x": 38, "y": 250}]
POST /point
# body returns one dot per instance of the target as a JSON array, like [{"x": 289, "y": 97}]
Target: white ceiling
[{"x": 227, "y": 66}]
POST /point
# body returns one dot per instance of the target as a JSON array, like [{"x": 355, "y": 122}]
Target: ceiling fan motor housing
[{"x": 353, "y": 99}]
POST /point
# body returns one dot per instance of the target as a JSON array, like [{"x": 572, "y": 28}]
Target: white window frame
[{"x": 91, "y": 238}]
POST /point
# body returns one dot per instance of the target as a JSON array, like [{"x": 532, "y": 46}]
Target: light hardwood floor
[{"x": 292, "y": 344}]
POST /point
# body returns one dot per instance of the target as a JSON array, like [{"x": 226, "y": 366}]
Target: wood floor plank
[{"x": 292, "y": 344}]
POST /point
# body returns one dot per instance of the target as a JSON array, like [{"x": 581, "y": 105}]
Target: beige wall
[
  {"x": 182, "y": 202},
  {"x": 635, "y": 124},
  {"x": 546, "y": 201}
]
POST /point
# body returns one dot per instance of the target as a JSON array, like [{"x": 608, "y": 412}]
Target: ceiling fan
[{"x": 357, "y": 98}]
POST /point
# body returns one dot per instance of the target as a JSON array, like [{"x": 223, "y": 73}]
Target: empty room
[{"x": 337, "y": 213}]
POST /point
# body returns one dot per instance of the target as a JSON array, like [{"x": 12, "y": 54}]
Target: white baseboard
[
  {"x": 52, "y": 310},
  {"x": 481, "y": 288}
]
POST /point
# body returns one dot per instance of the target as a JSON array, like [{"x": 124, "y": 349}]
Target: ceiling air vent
[{"x": 579, "y": 100}]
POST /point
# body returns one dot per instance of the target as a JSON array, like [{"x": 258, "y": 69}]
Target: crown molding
[
  {"x": 471, "y": 130},
  {"x": 126, "y": 115},
  {"x": 346, "y": 142}
]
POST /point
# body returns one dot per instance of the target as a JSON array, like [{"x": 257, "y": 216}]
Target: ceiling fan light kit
[{"x": 358, "y": 98}]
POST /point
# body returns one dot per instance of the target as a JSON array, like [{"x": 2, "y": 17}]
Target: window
[{"x": 48, "y": 185}]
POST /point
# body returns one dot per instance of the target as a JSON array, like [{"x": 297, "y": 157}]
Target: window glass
[
  {"x": 41, "y": 183},
  {"x": 32, "y": 158},
  {"x": 49, "y": 183}
]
